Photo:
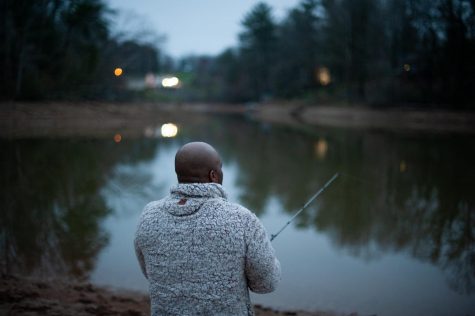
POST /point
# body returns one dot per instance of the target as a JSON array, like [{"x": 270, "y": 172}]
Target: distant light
[
  {"x": 402, "y": 166},
  {"x": 321, "y": 148},
  {"x": 149, "y": 132},
  {"x": 117, "y": 138},
  {"x": 169, "y": 130},
  {"x": 170, "y": 82},
  {"x": 407, "y": 67},
  {"x": 323, "y": 76},
  {"x": 118, "y": 72},
  {"x": 150, "y": 81}
]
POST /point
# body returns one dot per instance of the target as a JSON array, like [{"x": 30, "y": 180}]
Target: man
[{"x": 200, "y": 252}]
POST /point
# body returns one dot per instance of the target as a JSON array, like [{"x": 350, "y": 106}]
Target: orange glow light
[
  {"x": 402, "y": 166},
  {"x": 323, "y": 76},
  {"x": 321, "y": 148},
  {"x": 117, "y": 138},
  {"x": 118, "y": 72}
]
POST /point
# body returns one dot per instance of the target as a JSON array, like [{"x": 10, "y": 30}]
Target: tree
[
  {"x": 435, "y": 42},
  {"x": 458, "y": 51},
  {"x": 298, "y": 50},
  {"x": 257, "y": 44},
  {"x": 229, "y": 76},
  {"x": 354, "y": 42},
  {"x": 48, "y": 46}
]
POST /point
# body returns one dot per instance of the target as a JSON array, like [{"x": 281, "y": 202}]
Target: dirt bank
[
  {"x": 62, "y": 119},
  {"x": 25, "y": 296},
  {"x": 360, "y": 117},
  {"x": 92, "y": 119}
]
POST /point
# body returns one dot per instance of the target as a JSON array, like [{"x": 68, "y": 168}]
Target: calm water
[{"x": 394, "y": 235}]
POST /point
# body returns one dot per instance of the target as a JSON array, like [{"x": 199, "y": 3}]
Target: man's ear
[{"x": 213, "y": 176}]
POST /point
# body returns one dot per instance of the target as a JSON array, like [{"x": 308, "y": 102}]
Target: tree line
[
  {"x": 379, "y": 52},
  {"x": 64, "y": 49}
]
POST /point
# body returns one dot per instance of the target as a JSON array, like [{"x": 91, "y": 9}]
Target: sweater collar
[{"x": 199, "y": 190}]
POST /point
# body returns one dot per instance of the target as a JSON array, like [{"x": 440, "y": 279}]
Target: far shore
[
  {"x": 364, "y": 117},
  {"x": 94, "y": 119}
]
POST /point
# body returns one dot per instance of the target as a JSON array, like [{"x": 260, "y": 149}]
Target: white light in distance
[
  {"x": 169, "y": 130},
  {"x": 170, "y": 82}
]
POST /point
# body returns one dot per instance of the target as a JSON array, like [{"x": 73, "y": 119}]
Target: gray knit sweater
[{"x": 201, "y": 253}]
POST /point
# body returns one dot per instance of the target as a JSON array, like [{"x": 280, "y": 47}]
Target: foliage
[
  {"x": 63, "y": 49},
  {"x": 257, "y": 46},
  {"x": 380, "y": 52},
  {"x": 299, "y": 40}
]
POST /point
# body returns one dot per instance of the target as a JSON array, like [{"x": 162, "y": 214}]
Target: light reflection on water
[{"x": 392, "y": 236}]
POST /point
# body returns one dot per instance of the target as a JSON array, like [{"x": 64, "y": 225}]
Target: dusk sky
[{"x": 193, "y": 27}]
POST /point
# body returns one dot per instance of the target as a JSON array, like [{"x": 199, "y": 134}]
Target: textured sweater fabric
[{"x": 201, "y": 253}]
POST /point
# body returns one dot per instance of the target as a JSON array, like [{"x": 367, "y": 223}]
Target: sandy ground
[
  {"x": 361, "y": 117},
  {"x": 63, "y": 119},
  {"x": 25, "y": 296},
  {"x": 104, "y": 119}
]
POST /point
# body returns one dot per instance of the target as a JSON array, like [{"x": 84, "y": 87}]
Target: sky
[{"x": 199, "y": 27}]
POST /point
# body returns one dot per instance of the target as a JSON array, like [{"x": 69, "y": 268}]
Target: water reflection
[
  {"x": 117, "y": 138},
  {"x": 380, "y": 205},
  {"x": 402, "y": 166},
  {"x": 396, "y": 194},
  {"x": 167, "y": 130},
  {"x": 321, "y": 148},
  {"x": 52, "y": 207}
]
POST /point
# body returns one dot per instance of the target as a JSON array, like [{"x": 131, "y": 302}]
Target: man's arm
[
  {"x": 138, "y": 250},
  {"x": 140, "y": 258},
  {"x": 262, "y": 266}
]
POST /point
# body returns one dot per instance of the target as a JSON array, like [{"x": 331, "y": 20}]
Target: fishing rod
[{"x": 306, "y": 204}]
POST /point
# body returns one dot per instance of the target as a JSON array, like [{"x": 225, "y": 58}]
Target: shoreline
[
  {"x": 30, "y": 296},
  {"x": 364, "y": 117},
  {"x": 94, "y": 119}
]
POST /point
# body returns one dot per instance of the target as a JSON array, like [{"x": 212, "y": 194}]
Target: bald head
[{"x": 198, "y": 162}]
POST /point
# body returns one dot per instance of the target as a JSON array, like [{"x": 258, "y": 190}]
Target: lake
[{"x": 393, "y": 235}]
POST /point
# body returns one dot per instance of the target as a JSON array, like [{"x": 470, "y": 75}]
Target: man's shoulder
[
  {"x": 152, "y": 207},
  {"x": 239, "y": 210}
]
